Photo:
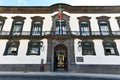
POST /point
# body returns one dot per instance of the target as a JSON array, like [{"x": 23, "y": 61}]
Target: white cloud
[{"x": 93, "y": 2}]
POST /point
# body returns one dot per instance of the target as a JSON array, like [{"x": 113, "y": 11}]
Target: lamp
[
  {"x": 79, "y": 46},
  {"x": 41, "y": 46}
]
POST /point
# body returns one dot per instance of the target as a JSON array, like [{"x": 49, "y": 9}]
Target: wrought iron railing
[{"x": 66, "y": 33}]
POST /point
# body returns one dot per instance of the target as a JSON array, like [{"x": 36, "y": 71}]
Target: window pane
[
  {"x": 88, "y": 48},
  {"x": 36, "y": 29},
  {"x": 88, "y": 52},
  {"x": 1, "y": 25},
  {"x": 17, "y": 28},
  {"x": 12, "y": 50},
  {"x": 34, "y": 50},
  {"x": 104, "y": 28},
  {"x": 84, "y": 28},
  {"x": 60, "y": 26},
  {"x": 109, "y": 50}
]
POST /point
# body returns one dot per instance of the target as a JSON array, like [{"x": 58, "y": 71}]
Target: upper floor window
[
  {"x": 118, "y": 21},
  {"x": 17, "y": 25},
  {"x": 1, "y": 25},
  {"x": 104, "y": 25},
  {"x": 110, "y": 48},
  {"x": 84, "y": 28},
  {"x": 60, "y": 26},
  {"x": 17, "y": 28},
  {"x": 88, "y": 48},
  {"x": 36, "y": 28},
  {"x": 2, "y": 20},
  {"x": 37, "y": 23},
  {"x": 34, "y": 48},
  {"x": 11, "y": 48},
  {"x": 84, "y": 25}
]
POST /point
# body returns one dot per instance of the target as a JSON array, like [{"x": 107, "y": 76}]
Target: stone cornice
[{"x": 53, "y": 8}]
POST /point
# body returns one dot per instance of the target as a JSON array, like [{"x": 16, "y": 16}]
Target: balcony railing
[{"x": 66, "y": 33}]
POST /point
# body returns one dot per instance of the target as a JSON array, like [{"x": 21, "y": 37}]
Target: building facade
[{"x": 86, "y": 39}]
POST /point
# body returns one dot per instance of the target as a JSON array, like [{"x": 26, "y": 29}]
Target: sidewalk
[{"x": 59, "y": 74}]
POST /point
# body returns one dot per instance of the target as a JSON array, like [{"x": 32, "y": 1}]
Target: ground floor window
[
  {"x": 110, "y": 48},
  {"x": 88, "y": 48},
  {"x": 34, "y": 48},
  {"x": 11, "y": 48}
]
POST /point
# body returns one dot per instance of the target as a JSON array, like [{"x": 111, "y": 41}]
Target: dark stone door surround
[{"x": 70, "y": 53}]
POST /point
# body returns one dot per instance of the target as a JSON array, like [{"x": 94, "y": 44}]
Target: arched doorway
[{"x": 60, "y": 58}]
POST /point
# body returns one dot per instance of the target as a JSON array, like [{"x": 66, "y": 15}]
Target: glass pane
[
  {"x": 88, "y": 52},
  {"x": 0, "y": 27},
  {"x": 36, "y": 28},
  {"x": 12, "y": 50},
  {"x": 1, "y": 22},
  {"x": 84, "y": 28},
  {"x": 37, "y": 22},
  {"x": 87, "y": 44},
  {"x": 17, "y": 28},
  {"x": 60, "y": 26},
  {"x": 35, "y": 44},
  {"x": 109, "y": 50},
  {"x": 34, "y": 50}
]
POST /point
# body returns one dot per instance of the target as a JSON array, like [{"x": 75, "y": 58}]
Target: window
[
  {"x": 60, "y": 26},
  {"x": 34, "y": 48},
  {"x": 84, "y": 28},
  {"x": 12, "y": 48},
  {"x": 88, "y": 48},
  {"x": 2, "y": 21},
  {"x": 118, "y": 21},
  {"x": 17, "y": 25},
  {"x": 17, "y": 28},
  {"x": 104, "y": 27},
  {"x": 1, "y": 25},
  {"x": 110, "y": 48},
  {"x": 37, "y": 23},
  {"x": 84, "y": 25},
  {"x": 36, "y": 28}
]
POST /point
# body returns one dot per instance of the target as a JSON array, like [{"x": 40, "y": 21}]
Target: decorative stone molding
[
  {"x": 105, "y": 18},
  {"x": 18, "y": 18},
  {"x": 118, "y": 18},
  {"x": 37, "y": 18},
  {"x": 2, "y": 18},
  {"x": 82, "y": 18}
]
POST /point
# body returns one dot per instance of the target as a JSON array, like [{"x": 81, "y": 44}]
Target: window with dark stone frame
[
  {"x": 36, "y": 25},
  {"x": 1, "y": 25},
  {"x": 34, "y": 48},
  {"x": 17, "y": 28},
  {"x": 11, "y": 48},
  {"x": 84, "y": 28},
  {"x": 84, "y": 25},
  {"x": 88, "y": 48},
  {"x": 17, "y": 25},
  {"x": 104, "y": 25},
  {"x": 110, "y": 48},
  {"x": 2, "y": 21},
  {"x": 36, "y": 28}
]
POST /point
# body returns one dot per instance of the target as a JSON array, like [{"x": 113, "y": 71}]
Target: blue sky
[{"x": 50, "y": 2}]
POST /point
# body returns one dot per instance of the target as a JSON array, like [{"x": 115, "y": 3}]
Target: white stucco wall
[
  {"x": 100, "y": 57},
  {"x": 21, "y": 58},
  {"x": 74, "y": 25}
]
